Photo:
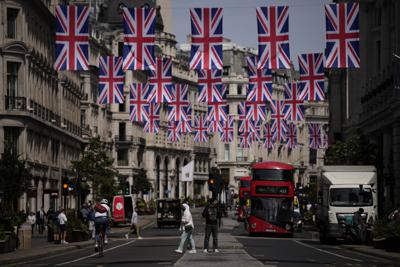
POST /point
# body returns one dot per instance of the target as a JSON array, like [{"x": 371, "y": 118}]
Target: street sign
[{"x": 187, "y": 172}]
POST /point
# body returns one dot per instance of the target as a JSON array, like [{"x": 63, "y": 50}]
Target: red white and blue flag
[
  {"x": 111, "y": 80},
  {"x": 139, "y": 107},
  {"x": 214, "y": 126},
  {"x": 292, "y": 136},
  {"x": 174, "y": 133},
  {"x": 279, "y": 126},
  {"x": 251, "y": 127},
  {"x": 217, "y": 111},
  {"x": 342, "y": 35},
  {"x": 260, "y": 82},
  {"x": 179, "y": 107},
  {"x": 160, "y": 80},
  {"x": 245, "y": 140},
  {"x": 152, "y": 125},
  {"x": 269, "y": 137},
  {"x": 314, "y": 130},
  {"x": 139, "y": 37},
  {"x": 293, "y": 106},
  {"x": 273, "y": 37},
  {"x": 311, "y": 82},
  {"x": 206, "y": 47},
  {"x": 210, "y": 86},
  {"x": 256, "y": 111},
  {"x": 227, "y": 130},
  {"x": 200, "y": 129},
  {"x": 72, "y": 38},
  {"x": 185, "y": 126},
  {"x": 324, "y": 139}
]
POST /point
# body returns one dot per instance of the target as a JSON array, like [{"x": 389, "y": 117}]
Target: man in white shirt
[
  {"x": 62, "y": 220},
  {"x": 101, "y": 215}
]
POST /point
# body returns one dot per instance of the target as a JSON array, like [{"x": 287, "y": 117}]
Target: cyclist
[{"x": 101, "y": 215}]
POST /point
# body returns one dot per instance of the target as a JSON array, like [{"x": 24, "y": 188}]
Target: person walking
[
  {"x": 134, "y": 225},
  {"x": 212, "y": 214},
  {"x": 40, "y": 218},
  {"x": 187, "y": 227},
  {"x": 359, "y": 223},
  {"x": 62, "y": 221},
  {"x": 32, "y": 220}
]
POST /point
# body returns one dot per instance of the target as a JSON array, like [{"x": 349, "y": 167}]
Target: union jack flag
[
  {"x": 214, "y": 126},
  {"x": 226, "y": 134},
  {"x": 324, "y": 139},
  {"x": 139, "y": 37},
  {"x": 312, "y": 82},
  {"x": 245, "y": 123},
  {"x": 217, "y": 111},
  {"x": 269, "y": 137},
  {"x": 251, "y": 127},
  {"x": 139, "y": 107},
  {"x": 315, "y": 135},
  {"x": 245, "y": 140},
  {"x": 210, "y": 86},
  {"x": 161, "y": 81},
  {"x": 260, "y": 82},
  {"x": 179, "y": 106},
  {"x": 185, "y": 126},
  {"x": 273, "y": 37},
  {"x": 256, "y": 110},
  {"x": 293, "y": 107},
  {"x": 152, "y": 125},
  {"x": 174, "y": 134},
  {"x": 200, "y": 129},
  {"x": 72, "y": 38},
  {"x": 342, "y": 35},
  {"x": 206, "y": 48},
  {"x": 111, "y": 80},
  {"x": 279, "y": 127},
  {"x": 242, "y": 110},
  {"x": 292, "y": 136}
]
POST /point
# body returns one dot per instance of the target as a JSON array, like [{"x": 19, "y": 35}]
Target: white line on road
[
  {"x": 94, "y": 254},
  {"x": 325, "y": 251}
]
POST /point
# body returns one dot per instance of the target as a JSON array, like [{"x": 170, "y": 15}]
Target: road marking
[
  {"x": 95, "y": 254},
  {"x": 258, "y": 255},
  {"x": 325, "y": 251}
]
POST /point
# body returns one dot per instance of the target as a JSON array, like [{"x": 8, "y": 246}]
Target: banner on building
[{"x": 187, "y": 172}]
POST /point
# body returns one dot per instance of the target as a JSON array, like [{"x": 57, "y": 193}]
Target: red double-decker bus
[
  {"x": 244, "y": 195},
  {"x": 271, "y": 195}
]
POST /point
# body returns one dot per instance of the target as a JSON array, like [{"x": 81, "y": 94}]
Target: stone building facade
[
  {"x": 368, "y": 98},
  {"x": 39, "y": 108}
]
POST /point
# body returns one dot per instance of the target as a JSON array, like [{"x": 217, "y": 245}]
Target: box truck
[{"x": 342, "y": 190}]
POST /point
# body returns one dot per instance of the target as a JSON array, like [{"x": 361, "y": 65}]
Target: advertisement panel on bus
[{"x": 271, "y": 194}]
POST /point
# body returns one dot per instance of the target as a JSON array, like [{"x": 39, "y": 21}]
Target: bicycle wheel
[{"x": 101, "y": 242}]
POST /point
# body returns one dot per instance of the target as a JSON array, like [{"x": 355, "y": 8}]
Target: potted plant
[
  {"x": 141, "y": 205},
  {"x": 77, "y": 231},
  {"x": 379, "y": 233},
  {"x": 152, "y": 207}
]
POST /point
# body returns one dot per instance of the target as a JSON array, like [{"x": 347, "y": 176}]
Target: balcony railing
[
  {"x": 122, "y": 162},
  {"x": 123, "y": 138},
  {"x": 241, "y": 159},
  {"x": 15, "y": 103},
  {"x": 200, "y": 149}
]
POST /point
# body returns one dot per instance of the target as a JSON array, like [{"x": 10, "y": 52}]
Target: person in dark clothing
[
  {"x": 212, "y": 214},
  {"x": 359, "y": 223}
]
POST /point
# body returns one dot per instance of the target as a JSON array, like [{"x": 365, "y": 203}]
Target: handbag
[{"x": 188, "y": 228}]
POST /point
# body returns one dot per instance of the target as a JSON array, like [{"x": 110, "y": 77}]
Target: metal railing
[{"x": 15, "y": 103}]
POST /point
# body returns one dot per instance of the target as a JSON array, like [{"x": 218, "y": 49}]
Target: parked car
[
  {"x": 297, "y": 221},
  {"x": 168, "y": 212}
]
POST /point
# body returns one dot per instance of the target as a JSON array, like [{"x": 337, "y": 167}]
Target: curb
[
  {"x": 68, "y": 248},
  {"x": 373, "y": 253}
]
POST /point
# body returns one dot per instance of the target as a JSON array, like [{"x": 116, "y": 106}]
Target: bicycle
[{"x": 100, "y": 247}]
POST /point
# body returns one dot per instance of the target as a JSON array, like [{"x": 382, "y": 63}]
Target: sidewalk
[
  {"x": 231, "y": 251},
  {"x": 40, "y": 246}
]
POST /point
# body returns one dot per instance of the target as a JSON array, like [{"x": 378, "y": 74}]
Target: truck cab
[{"x": 342, "y": 190}]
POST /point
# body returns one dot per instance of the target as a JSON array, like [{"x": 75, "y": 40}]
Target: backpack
[
  {"x": 212, "y": 214},
  {"x": 100, "y": 208}
]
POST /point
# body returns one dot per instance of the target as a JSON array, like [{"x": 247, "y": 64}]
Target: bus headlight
[{"x": 288, "y": 227}]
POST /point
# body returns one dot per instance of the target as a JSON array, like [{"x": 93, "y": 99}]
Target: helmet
[{"x": 104, "y": 201}]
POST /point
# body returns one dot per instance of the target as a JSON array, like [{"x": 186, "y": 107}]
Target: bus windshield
[
  {"x": 275, "y": 210},
  {"x": 245, "y": 184},
  {"x": 351, "y": 197},
  {"x": 273, "y": 175}
]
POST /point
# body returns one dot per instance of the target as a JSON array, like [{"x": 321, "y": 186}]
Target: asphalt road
[{"x": 158, "y": 245}]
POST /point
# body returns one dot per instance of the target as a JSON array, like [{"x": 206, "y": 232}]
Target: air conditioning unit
[
  {"x": 30, "y": 108},
  {"x": 63, "y": 125},
  {"x": 53, "y": 120}
]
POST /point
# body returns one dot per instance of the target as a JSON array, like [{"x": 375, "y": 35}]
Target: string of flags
[{"x": 206, "y": 58}]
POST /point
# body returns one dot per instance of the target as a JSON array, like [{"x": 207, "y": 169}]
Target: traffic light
[
  {"x": 64, "y": 186},
  {"x": 211, "y": 183},
  {"x": 126, "y": 189}
]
